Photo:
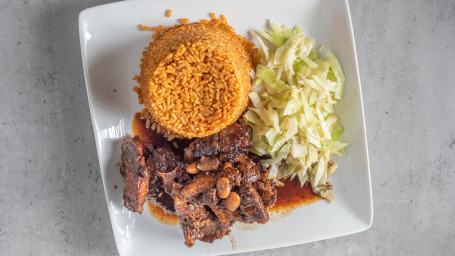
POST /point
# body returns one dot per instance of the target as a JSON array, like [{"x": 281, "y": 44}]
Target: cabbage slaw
[{"x": 292, "y": 107}]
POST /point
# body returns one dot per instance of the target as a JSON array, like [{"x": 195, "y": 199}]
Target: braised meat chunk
[
  {"x": 135, "y": 174},
  {"x": 163, "y": 159},
  {"x": 201, "y": 183},
  {"x": 235, "y": 140},
  {"x": 251, "y": 170},
  {"x": 205, "y": 146},
  {"x": 268, "y": 193}
]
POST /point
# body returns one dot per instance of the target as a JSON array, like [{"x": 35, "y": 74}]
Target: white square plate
[{"x": 111, "y": 48}]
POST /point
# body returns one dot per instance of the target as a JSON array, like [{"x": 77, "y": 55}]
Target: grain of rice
[
  {"x": 143, "y": 27},
  {"x": 159, "y": 29},
  {"x": 184, "y": 21}
]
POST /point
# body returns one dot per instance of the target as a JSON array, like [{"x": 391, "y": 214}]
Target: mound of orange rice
[{"x": 195, "y": 78}]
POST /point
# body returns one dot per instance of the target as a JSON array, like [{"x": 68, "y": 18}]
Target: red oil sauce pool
[
  {"x": 292, "y": 195},
  {"x": 289, "y": 196}
]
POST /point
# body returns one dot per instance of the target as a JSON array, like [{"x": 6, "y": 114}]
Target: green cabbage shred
[{"x": 292, "y": 107}]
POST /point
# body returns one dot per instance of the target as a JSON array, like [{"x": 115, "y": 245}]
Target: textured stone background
[{"x": 51, "y": 194}]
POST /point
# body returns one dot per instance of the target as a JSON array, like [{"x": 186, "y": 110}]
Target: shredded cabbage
[{"x": 292, "y": 107}]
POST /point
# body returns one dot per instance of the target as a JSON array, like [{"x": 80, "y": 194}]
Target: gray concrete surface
[{"x": 51, "y": 195}]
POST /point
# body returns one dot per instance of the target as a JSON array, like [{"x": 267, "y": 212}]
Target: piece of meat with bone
[
  {"x": 252, "y": 207},
  {"x": 173, "y": 180},
  {"x": 157, "y": 195},
  {"x": 135, "y": 174},
  {"x": 197, "y": 222},
  {"x": 166, "y": 171},
  {"x": 257, "y": 193}
]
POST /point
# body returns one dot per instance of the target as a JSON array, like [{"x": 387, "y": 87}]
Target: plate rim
[{"x": 83, "y": 46}]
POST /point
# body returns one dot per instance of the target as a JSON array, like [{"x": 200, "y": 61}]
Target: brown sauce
[
  {"x": 147, "y": 135},
  {"x": 161, "y": 216},
  {"x": 292, "y": 195},
  {"x": 289, "y": 196}
]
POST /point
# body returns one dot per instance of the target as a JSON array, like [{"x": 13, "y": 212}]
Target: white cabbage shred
[{"x": 292, "y": 107}]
